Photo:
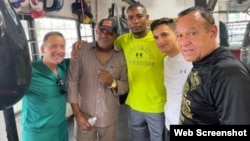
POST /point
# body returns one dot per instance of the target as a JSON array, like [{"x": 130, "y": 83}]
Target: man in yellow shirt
[{"x": 147, "y": 96}]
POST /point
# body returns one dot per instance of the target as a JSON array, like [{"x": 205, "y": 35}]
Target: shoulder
[
  {"x": 225, "y": 60},
  {"x": 65, "y": 62},
  {"x": 183, "y": 62},
  {"x": 37, "y": 63},
  {"x": 88, "y": 46},
  {"x": 124, "y": 37},
  {"x": 228, "y": 71}
]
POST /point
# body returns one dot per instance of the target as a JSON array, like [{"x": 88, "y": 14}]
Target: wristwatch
[{"x": 114, "y": 84}]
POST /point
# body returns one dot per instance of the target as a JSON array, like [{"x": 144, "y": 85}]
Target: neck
[
  {"x": 175, "y": 51},
  {"x": 52, "y": 67},
  {"x": 141, "y": 34}
]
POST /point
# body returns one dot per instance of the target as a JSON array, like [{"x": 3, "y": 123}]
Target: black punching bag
[{"x": 15, "y": 67}]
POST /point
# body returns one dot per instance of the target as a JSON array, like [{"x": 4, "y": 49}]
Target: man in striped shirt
[{"x": 95, "y": 80}]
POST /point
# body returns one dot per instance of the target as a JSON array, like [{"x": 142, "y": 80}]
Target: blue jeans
[
  {"x": 145, "y": 126},
  {"x": 167, "y": 134}
]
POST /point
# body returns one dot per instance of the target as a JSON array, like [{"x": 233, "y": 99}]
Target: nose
[
  {"x": 183, "y": 41},
  {"x": 60, "y": 48},
  {"x": 159, "y": 41},
  {"x": 134, "y": 20}
]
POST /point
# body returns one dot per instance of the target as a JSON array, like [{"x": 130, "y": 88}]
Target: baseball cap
[{"x": 109, "y": 24}]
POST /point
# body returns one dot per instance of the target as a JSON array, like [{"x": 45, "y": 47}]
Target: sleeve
[
  {"x": 119, "y": 41},
  {"x": 123, "y": 81},
  {"x": 73, "y": 79},
  {"x": 65, "y": 64},
  {"x": 116, "y": 43},
  {"x": 232, "y": 96}
]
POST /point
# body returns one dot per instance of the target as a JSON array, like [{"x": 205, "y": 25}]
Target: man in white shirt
[{"x": 176, "y": 69}]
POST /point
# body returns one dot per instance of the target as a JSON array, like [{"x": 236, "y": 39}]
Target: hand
[
  {"x": 82, "y": 121},
  {"x": 105, "y": 77},
  {"x": 76, "y": 47}
]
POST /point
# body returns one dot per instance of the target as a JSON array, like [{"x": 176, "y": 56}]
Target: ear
[
  {"x": 214, "y": 31},
  {"x": 42, "y": 48},
  {"x": 147, "y": 17}
]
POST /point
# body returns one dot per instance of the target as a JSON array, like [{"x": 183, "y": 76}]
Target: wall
[
  {"x": 64, "y": 12},
  {"x": 156, "y": 8}
]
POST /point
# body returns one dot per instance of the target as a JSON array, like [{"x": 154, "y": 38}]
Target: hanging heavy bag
[
  {"x": 56, "y": 5},
  {"x": 246, "y": 38},
  {"x": 223, "y": 34},
  {"x": 123, "y": 26},
  {"x": 80, "y": 8},
  {"x": 123, "y": 22},
  {"x": 37, "y": 8},
  {"x": 15, "y": 66}
]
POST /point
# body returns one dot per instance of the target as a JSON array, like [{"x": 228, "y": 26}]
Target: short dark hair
[
  {"x": 137, "y": 4},
  {"x": 205, "y": 13},
  {"x": 167, "y": 21},
  {"x": 50, "y": 34}
]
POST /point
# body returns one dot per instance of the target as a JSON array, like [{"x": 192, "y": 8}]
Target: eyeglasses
[
  {"x": 61, "y": 84},
  {"x": 105, "y": 32}
]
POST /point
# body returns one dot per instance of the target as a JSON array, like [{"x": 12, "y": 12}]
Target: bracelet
[{"x": 114, "y": 84}]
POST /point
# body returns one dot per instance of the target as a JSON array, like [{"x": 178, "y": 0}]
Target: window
[
  {"x": 237, "y": 23},
  {"x": 87, "y": 32},
  {"x": 27, "y": 23}
]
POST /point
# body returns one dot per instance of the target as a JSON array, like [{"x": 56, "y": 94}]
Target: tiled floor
[{"x": 122, "y": 134}]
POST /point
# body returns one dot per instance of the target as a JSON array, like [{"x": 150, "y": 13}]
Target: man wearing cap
[{"x": 95, "y": 80}]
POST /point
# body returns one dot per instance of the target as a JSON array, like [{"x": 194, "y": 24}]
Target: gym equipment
[
  {"x": 56, "y": 5},
  {"x": 83, "y": 11},
  {"x": 122, "y": 23},
  {"x": 223, "y": 34},
  {"x": 15, "y": 67}
]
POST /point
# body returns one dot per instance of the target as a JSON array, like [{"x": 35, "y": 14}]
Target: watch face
[{"x": 113, "y": 85}]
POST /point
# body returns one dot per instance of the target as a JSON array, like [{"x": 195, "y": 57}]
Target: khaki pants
[{"x": 98, "y": 133}]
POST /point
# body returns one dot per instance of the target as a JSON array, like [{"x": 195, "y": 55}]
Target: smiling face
[
  {"x": 165, "y": 39},
  {"x": 53, "y": 50},
  {"x": 105, "y": 38},
  {"x": 196, "y": 37}
]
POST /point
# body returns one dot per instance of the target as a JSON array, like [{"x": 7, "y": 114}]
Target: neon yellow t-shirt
[{"x": 145, "y": 73}]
